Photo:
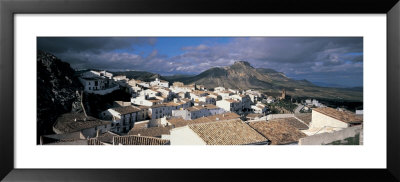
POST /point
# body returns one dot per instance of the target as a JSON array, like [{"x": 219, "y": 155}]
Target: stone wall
[
  {"x": 325, "y": 138},
  {"x": 277, "y": 116}
]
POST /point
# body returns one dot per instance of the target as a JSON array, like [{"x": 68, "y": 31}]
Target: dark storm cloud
[
  {"x": 304, "y": 57},
  {"x": 283, "y": 54},
  {"x": 89, "y": 44}
]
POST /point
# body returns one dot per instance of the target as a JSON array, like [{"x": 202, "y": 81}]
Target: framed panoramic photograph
[{"x": 125, "y": 91}]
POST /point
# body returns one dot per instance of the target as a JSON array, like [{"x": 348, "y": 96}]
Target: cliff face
[{"x": 56, "y": 91}]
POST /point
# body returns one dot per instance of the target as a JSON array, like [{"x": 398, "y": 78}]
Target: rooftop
[
  {"x": 72, "y": 142},
  {"x": 292, "y": 122},
  {"x": 121, "y": 103},
  {"x": 211, "y": 106},
  {"x": 195, "y": 108},
  {"x": 138, "y": 140},
  {"x": 152, "y": 131},
  {"x": 225, "y": 116},
  {"x": 66, "y": 123},
  {"x": 62, "y": 137},
  {"x": 254, "y": 115},
  {"x": 278, "y": 132},
  {"x": 179, "y": 121},
  {"x": 126, "y": 109},
  {"x": 233, "y": 132},
  {"x": 344, "y": 116},
  {"x": 106, "y": 137},
  {"x": 305, "y": 117},
  {"x": 231, "y": 100},
  {"x": 141, "y": 124},
  {"x": 95, "y": 141}
]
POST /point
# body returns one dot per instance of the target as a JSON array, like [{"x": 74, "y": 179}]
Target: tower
[{"x": 283, "y": 96}]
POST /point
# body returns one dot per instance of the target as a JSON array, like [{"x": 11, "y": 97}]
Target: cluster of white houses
[{"x": 160, "y": 114}]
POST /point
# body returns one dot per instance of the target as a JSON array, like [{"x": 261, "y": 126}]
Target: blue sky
[{"x": 331, "y": 60}]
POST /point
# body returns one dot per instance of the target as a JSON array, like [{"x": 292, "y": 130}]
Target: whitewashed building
[
  {"x": 98, "y": 82},
  {"x": 219, "y": 89},
  {"x": 259, "y": 108},
  {"x": 270, "y": 99},
  {"x": 327, "y": 117},
  {"x": 160, "y": 83},
  {"x": 145, "y": 101},
  {"x": 123, "y": 118},
  {"x": 230, "y": 105},
  {"x": 197, "y": 112},
  {"x": 244, "y": 99}
]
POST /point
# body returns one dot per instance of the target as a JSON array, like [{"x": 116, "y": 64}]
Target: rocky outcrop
[
  {"x": 240, "y": 75},
  {"x": 57, "y": 88}
]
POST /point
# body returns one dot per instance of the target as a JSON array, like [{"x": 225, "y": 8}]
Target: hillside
[
  {"x": 241, "y": 75},
  {"x": 56, "y": 91},
  {"x": 139, "y": 75}
]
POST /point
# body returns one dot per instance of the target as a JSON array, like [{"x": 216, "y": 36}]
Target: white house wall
[
  {"x": 320, "y": 120},
  {"x": 185, "y": 136}
]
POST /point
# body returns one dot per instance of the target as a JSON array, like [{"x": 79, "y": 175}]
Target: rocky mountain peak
[{"x": 241, "y": 64}]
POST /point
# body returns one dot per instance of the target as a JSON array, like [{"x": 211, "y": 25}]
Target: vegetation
[
  {"x": 348, "y": 141},
  {"x": 282, "y": 106}
]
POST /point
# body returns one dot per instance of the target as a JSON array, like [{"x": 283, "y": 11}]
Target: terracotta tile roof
[
  {"x": 225, "y": 116},
  {"x": 179, "y": 121},
  {"x": 194, "y": 108},
  {"x": 344, "y": 116},
  {"x": 62, "y": 137},
  {"x": 141, "y": 124},
  {"x": 72, "y": 142},
  {"x": 233, "y": 132},
  {"x": 154, "y": 100},
  {"x": 139, "y": 140},
  {"x": 172, "y": 104},
  {"x": 254, "y": 115},
  {"x": 143, "y": 107},
  {"x": 95, "y": 141},
  {"x": 152, "y": 131},
  {"x": 126, "y": 109},
  {"x": 231, "y": 100},
  {"x": 278, "y": 132},
  {"x": 292, "y": 122},
  {"x": 199, "y": 92},
  {"x": 121, "y": 103},
  {"x": 211, "y": 106},
  {"x": 106, "y": 137},
  {"x": 157, "y": 106},
  {"x": 305, "y": 117},
  {"x": 66, "y": 123}
]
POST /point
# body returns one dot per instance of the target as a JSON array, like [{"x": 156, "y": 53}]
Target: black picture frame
[{"x": 8, "y": 8}]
